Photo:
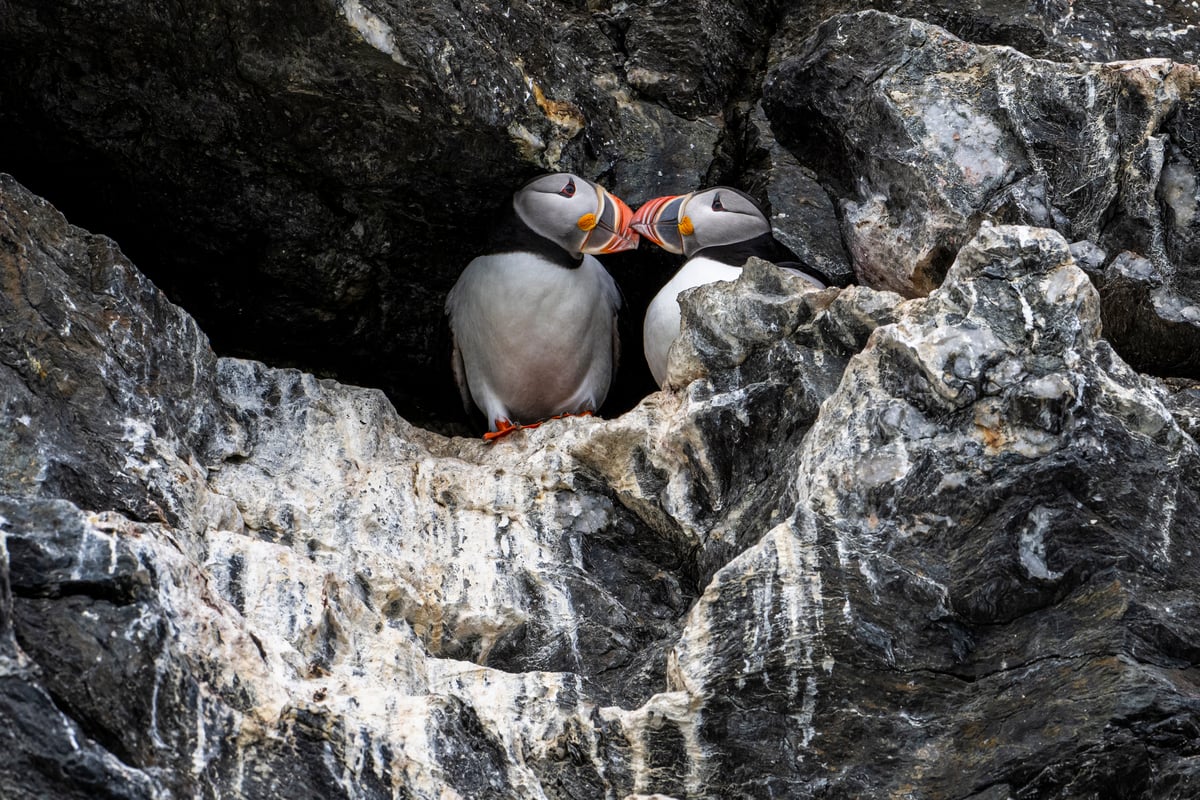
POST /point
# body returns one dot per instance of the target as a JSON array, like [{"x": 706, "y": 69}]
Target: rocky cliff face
[{"x": 932, "y": 534}]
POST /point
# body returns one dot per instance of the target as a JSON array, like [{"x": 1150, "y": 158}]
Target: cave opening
[{"x": 390, "y": 333}]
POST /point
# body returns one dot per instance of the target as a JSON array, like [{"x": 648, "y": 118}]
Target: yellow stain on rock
[
  {"x": 990, "y": 428},
  {"x": 993, "y": 438},
  {"x": 564, "y": 114},
  {"x": 37, "y": 366}
]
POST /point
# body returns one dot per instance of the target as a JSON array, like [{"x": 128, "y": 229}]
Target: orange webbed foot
[{"x": 503, "y": 428}]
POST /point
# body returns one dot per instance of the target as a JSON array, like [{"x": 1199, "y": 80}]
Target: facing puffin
[
  {"x": 717, "y": 230},
  {"x": 534, "y": 322}
]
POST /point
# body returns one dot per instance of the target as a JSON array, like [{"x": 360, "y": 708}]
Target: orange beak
[
  {"x": 611, "y": 233},
  {"x": 658, "y": 221}
]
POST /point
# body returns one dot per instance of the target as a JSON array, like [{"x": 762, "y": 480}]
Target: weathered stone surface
[
  {"x": 1183, "y": 398},
  {"x": 751, "y": 374},
  {"x": 1156, "y": 327},
  {"x": 801, "y": 210},
  {"x": 95, "y": 414},
  {"x": 861, "y": 546},
  {"x": 960, "y": 540},
  {"x": 295, "y": 616},
  {"x": 1060, "y": 30},
  {"x": 692, "y": 60},
  {"x": 932, "y": 135}
]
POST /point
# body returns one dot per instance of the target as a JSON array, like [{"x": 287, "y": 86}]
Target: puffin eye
[
  {"x": 569, "y": 189},
  {"x": 716, "y": 206}
]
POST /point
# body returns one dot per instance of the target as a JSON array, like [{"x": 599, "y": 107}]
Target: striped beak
[
  {"x": 658, "y": 221},
  {"x": 610, "y": 231}
]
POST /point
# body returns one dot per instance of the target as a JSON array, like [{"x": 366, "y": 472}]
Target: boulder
[
  {"x": 1058, "y": 30},
  {"x": 931, "y": 136}
]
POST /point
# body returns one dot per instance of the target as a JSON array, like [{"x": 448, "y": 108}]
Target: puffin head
[
  {"x": 688, "y": 223},
  {"x": 576, "y": 214}
]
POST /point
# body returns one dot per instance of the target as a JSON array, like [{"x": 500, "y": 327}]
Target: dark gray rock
[
  {"x": 1059, "y": 30},
  {"x": 95, "y": 412},
  {"x": 206, "y": 650},
  {"x": 1154, "y": 326},
  {"x": 89, "y": 684},
  {"x": 751, "y": 371},
  {"x": 692, "y": 60},
  {"x": 1090, "y": 258},
  {"x": 1183, "y": 399},
  {"x": 929, "y": 136},
  {"x": 965, "y": 559},
  {"x": 800, "y": 208},
  {"x": 44, "y": 752},
  {"x": 47, "y": 755}
]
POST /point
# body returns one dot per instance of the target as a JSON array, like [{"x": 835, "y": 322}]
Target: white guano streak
[{"x": 374, "y": 30}]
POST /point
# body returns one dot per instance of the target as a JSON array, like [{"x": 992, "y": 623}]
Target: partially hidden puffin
[
  {"x": 718, "y": 230},
  {"x": 533, "y": 322}
]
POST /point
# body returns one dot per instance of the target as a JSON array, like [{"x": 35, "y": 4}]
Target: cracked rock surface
[{"x": 933, "y": 136}]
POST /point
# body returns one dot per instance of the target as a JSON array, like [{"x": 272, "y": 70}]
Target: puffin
[
  {"x": 533, "y": 323},
  {"x": 717, "y": 230}
]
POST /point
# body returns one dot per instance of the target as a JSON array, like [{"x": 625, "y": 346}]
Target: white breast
[
  {"x": 536, "y": 339},
  {"x": 661, "y": 326}
]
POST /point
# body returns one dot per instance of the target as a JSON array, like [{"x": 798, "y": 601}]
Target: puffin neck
[
  {"x": 736, "y": 254},
  {"x": 512, "y": 235}
]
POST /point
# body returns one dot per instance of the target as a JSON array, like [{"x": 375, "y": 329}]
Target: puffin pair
[{"x": 534, "y": 322}]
